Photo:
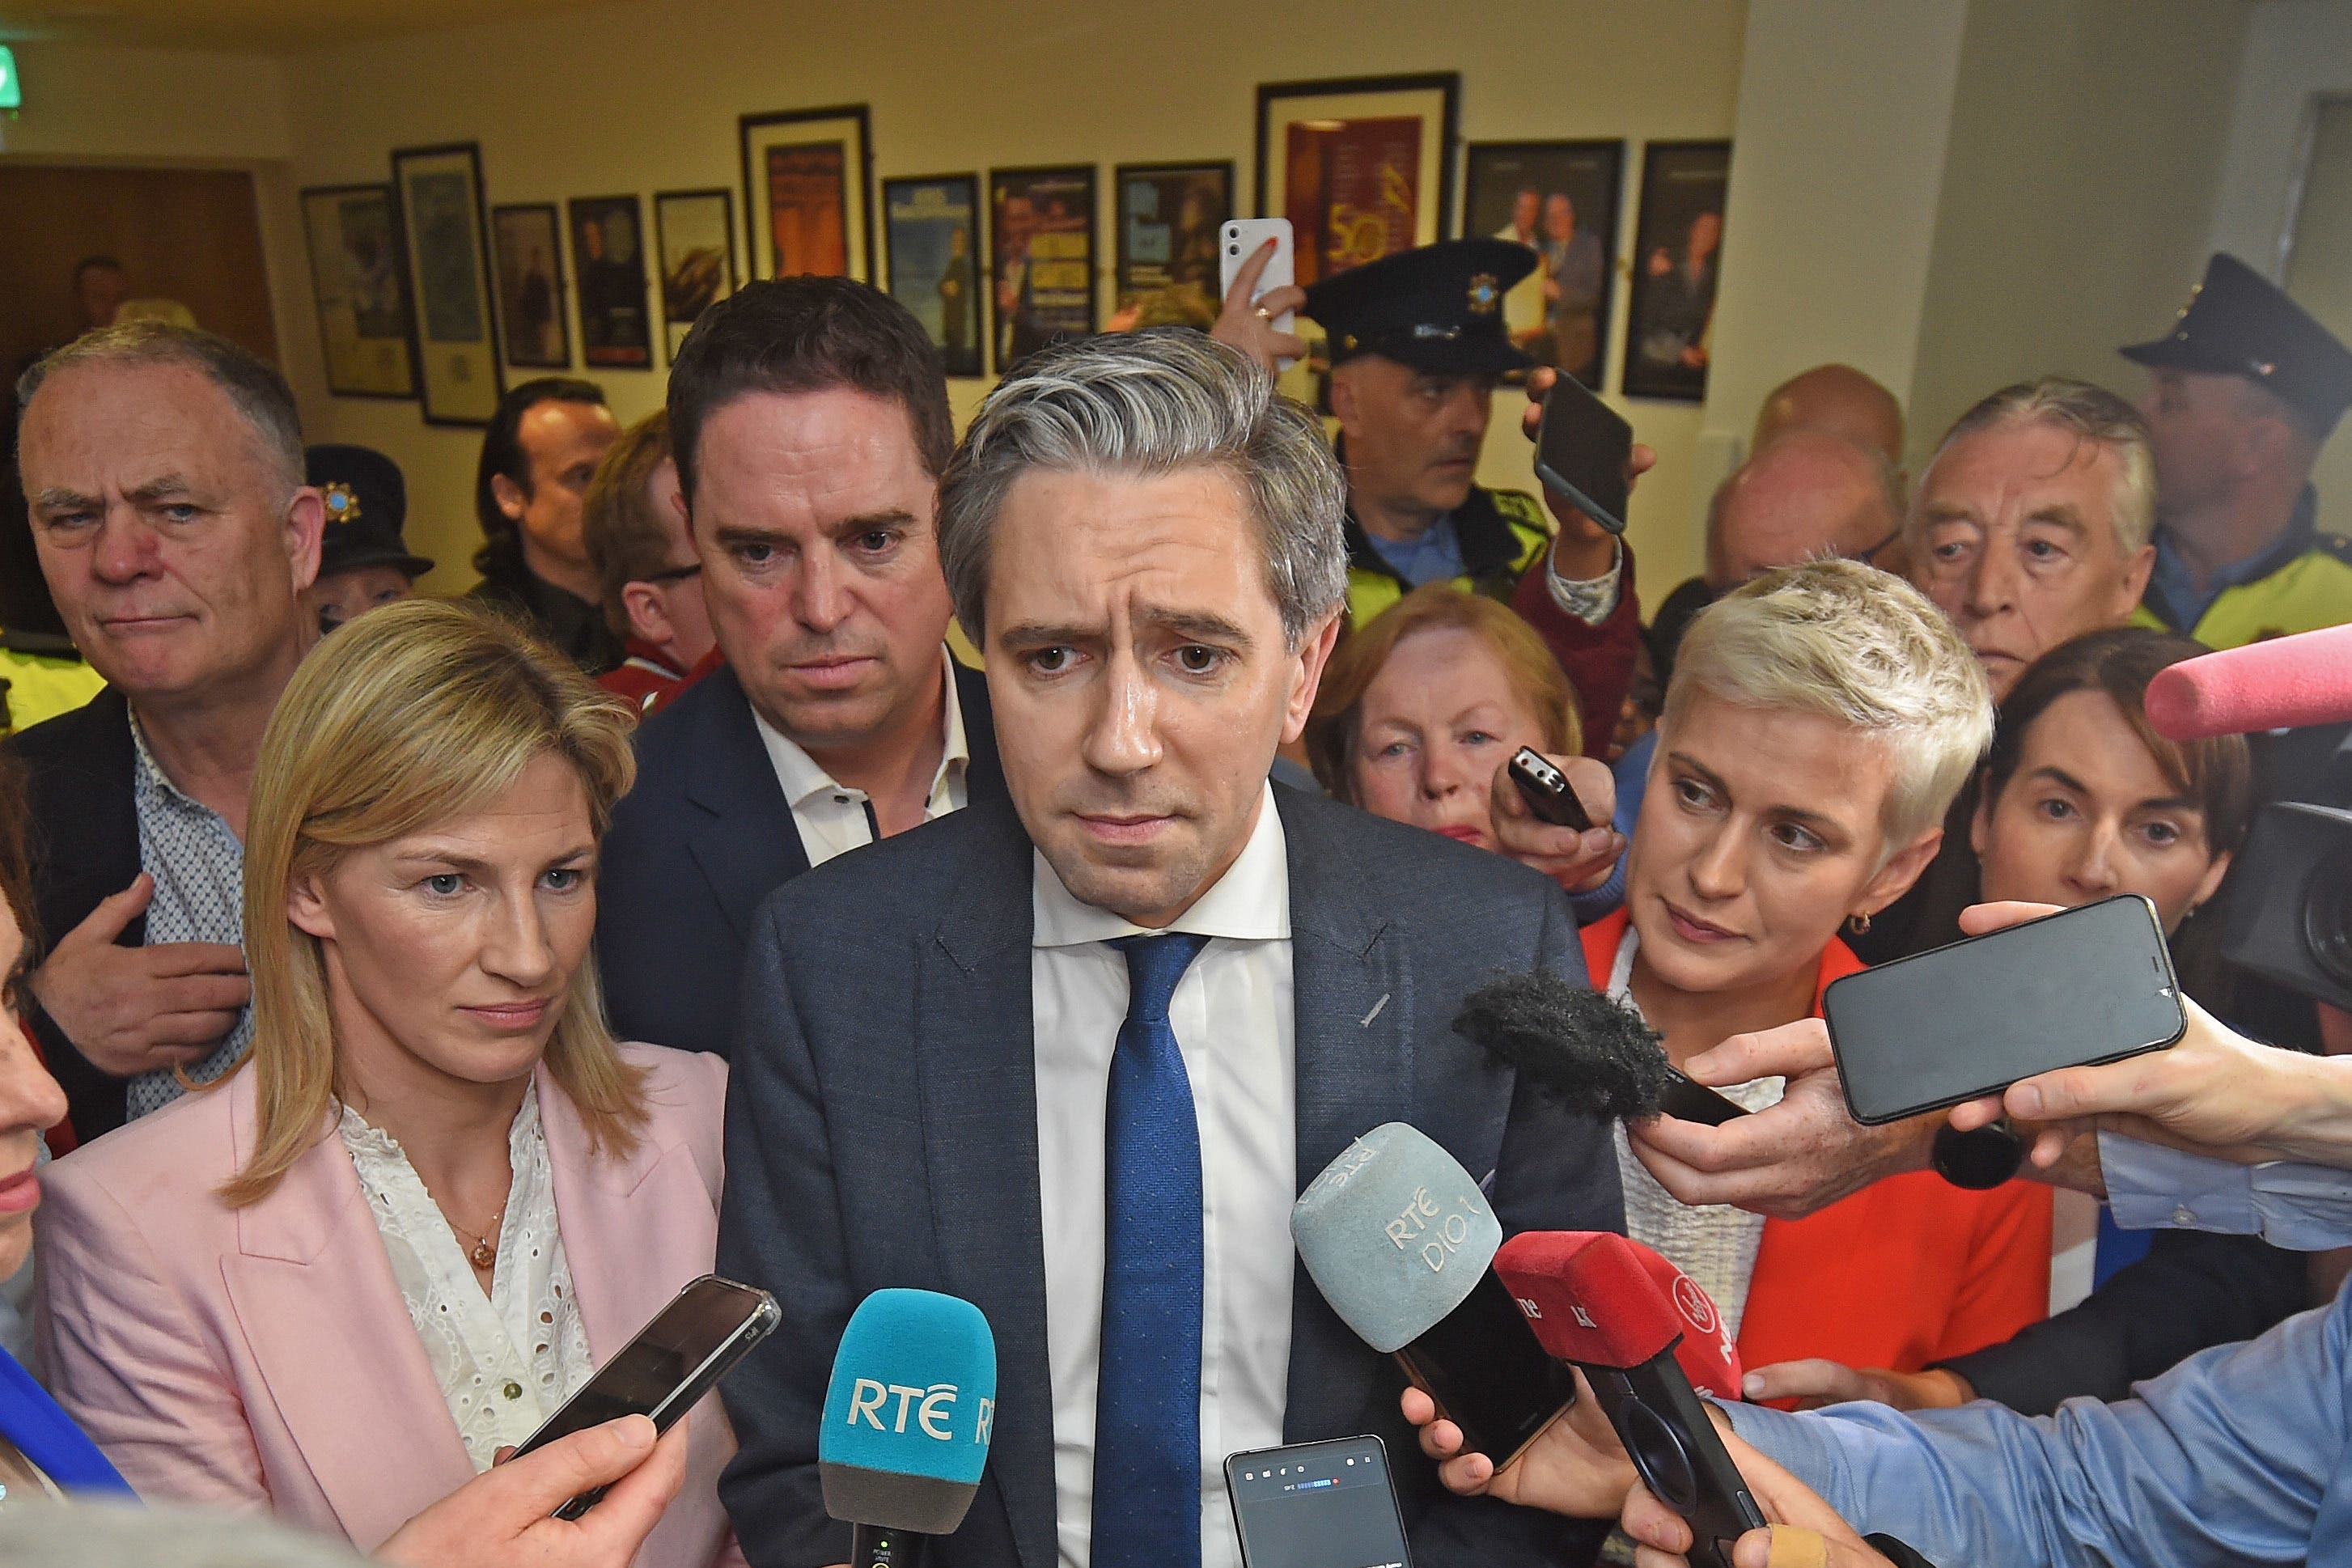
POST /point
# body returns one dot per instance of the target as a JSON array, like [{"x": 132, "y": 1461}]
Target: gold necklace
[{"x": 483, "y": 1253}]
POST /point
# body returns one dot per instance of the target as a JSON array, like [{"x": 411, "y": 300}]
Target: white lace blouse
[
  {"x": 1714, "y": 1244},
  {"x": 504, "y": 1361}
]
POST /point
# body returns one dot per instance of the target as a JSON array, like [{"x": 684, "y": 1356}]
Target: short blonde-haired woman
[
  {"x": 1820, "y": 721},
  {"x": 436, "y": 1193},
  {"x": 1425, "y": 701}
]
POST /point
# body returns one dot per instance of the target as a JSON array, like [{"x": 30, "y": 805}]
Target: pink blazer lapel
[
  {"x": 635, "y": 1230},
  {"x": 332, "y": 1341}
]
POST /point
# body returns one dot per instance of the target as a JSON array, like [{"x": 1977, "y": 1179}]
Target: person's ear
[
  {"x": 306, "y": 909},
  {"x": 306, "y": 530},
  {"x": 1901, "y": 869},
  {"x": 1980, "y": 820},
  {"x": 2211, "y": 882},
  {"x": 648, "y": 616},
  {"x": 509, "y": 496},
  {"x": 1345, "y": 406},
  {"x": 2135, "y": 583},
  {"x": 1314, "y": 655}
]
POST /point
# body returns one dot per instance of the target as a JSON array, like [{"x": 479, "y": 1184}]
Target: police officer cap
[
  {"x": 367, "y": 501},
  {"x": 1438, "y": 309},
  {"x": 2239, "y": 323}
]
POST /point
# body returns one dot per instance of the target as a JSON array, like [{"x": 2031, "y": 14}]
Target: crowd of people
[{"x": 844, "y": 856}]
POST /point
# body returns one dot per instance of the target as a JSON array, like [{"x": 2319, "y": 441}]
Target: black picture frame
[
  {"x": 1177, "y": 265},
  {"x": 686, "y": 284},
  {"x": 1014, "y": 338},
  {"x": 1569, "y": 330},
  {"x": 851, "y": 125},
  {"x": 1326, "y": 106},
  {"x": 529, "y": 307},
  {"x": 918, "y": 212},
  {"x": 1681, "y": 181},
  {"x": 366, "y": 318},
  {"x": 453, "y": 320},
  {"x": 615, "y": 327}
]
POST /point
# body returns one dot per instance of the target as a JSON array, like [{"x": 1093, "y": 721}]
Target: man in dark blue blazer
[
  {"x": 1073, "y": 1056},
  {"x": 809, "y": 416}
]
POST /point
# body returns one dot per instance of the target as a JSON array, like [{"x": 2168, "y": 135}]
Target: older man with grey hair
[
  {"x": 164, "y": 468},
  {"x": 1072, "y": 1056}
]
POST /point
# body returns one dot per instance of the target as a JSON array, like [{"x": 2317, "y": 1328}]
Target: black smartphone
[
  {"x": 1547, "y": 792},
  {"x": 1689, "y": 1101},
  {"x": 674, "y": 1360},
  {"x": 1317, "y": 1505},
  {"x": 1676, "y": 1447},
  {"x": 1489, "y": 1373},
  {"x": 1583, "y": 448},
  {"x": 2089, "y": 984}
]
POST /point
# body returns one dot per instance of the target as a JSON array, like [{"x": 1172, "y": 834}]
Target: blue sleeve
[
  {"x": 1632, "y": 770},
  {"x": 2236, "y": 1456},
  {"x": 2304, "y": 1209}
]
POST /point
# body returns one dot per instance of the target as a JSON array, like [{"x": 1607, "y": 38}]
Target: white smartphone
[{"x": 1240, "y": 239}]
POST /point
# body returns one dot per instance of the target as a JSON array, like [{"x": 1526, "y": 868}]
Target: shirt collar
[
  {"x": 2183, "y": 606},
  {"x": 1251, "y": 902},
  {"x": 153, "y": 780},
  {"x": 804, "y": 779}
]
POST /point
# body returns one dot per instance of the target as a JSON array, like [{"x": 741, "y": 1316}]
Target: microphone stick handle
[{"x": 877, "y": 1546}]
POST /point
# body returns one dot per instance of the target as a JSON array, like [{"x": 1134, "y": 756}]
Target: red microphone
[
  {"x": 2286, "y": 683},
  {"x": 1705, "y": 1352},
  {"x": 1594, "y": 1299}
]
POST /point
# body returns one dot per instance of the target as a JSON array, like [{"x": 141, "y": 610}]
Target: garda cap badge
[
  {"x": 343, "y": 503},
  {"x": 1485, "y": 297}
]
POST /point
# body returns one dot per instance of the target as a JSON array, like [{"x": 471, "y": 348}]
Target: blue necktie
[{"x": 1147, "y": 1497}]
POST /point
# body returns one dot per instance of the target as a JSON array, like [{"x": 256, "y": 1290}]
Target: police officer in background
[
  {"x": 2244, "y": 393},
  {"x": 364, "y": 561},
  {"x": 1417, "y": 343}
]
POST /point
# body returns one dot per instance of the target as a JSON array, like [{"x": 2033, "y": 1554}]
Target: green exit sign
[{"x": 12, "y": 93}]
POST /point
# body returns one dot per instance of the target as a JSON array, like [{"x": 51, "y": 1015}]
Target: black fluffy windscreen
[{"x": 1588, "y": 1052}]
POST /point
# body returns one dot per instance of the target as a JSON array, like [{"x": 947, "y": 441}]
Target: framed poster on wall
[
  {"x": 694, "y": 232},
  {"x": 1041, "y": 232},
  {"x": 360, "y": 289},
  {"x": 1677, "y": 250},
  {"x": 1361, "y": 167},
  {"x": 608, "y": 250},
  {"x": 931, "y": 242},
  {"x": 439, "y": 194},
  {"x": 1560, "y": 199},
  {"x": 1168, "y": 216},
  {"x": 526, "y": 245},
  {"x": 808, "y": 200}
]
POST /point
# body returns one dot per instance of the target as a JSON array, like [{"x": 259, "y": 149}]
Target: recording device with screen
[
  {"x": 2089, "y": 984},
  {"x": 1398, "y": 1237},
  {"x": 1317, "y": 1505},
  {"x": 1547, "y": 791},
  {"x": 1593, "y": 1302},
  {"x": 1583, "y": 450},
  {"x": 1239, "y": 240},
  {"x": 907, "y": 1417},
  {"x": 674, "y": 1360}
]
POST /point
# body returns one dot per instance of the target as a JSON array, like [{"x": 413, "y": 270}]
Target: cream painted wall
[
  {"x": 2078, "y": 191},
  {"x": 84, "y": 100},
  {"x": 1054, "y": 80}
]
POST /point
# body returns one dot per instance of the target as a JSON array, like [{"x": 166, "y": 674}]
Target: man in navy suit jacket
[
  {"x": 809, "y": 418},
  {"x": 1073, "y": 1056}
]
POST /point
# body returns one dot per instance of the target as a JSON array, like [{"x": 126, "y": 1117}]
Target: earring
[{"x": 1858, "y": 924}]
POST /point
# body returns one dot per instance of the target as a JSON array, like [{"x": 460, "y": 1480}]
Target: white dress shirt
[
  {"x": 1235, "y": 1023},
  {"x": 833, "y": 818}
]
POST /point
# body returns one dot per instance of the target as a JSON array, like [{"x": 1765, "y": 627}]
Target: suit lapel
[
  {"x": 1354, "y": 1006},
  {"x": 746, "y": 843},
  {"x": 976, "y": 1062},
  {"x": 332, "y": 1341}
]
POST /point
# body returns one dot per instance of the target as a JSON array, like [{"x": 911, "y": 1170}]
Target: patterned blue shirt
[{"x": 198, "y": 865}]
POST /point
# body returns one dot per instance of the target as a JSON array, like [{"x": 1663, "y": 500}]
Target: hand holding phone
[
  {"x": 1239, "y": 243},
  {"x": 1547, "y": 791},
  {"x": 1584, "y": 450}
]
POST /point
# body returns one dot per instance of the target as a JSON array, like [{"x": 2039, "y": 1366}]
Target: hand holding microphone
[{"x": 907, "y": 1417}]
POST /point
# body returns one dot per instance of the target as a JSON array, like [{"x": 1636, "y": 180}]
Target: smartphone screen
[
  {"x": 1489, "y": 1373},
  {"x": 673, "y": 1361},
  {"x": 2088, "y": 984},
  {"x": 1317, "y": 1505},
  {"x": 1583, "y": 448}
]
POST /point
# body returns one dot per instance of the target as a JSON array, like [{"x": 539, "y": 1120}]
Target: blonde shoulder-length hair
[{"x": 410, "y": 716}]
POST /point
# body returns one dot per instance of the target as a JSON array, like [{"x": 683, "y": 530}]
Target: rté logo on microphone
[{"x": 933, "y": 1408}]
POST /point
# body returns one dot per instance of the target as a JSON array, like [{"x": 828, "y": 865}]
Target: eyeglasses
[{"x": 674, "y": 574}]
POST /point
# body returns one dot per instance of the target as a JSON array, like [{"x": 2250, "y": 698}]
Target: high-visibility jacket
[
  {"x": 1502, "y": 534},
  {"x": 2307, "y": 586}
]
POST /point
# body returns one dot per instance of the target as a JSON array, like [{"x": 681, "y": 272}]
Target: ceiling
[{"x": 251, "y": 25}]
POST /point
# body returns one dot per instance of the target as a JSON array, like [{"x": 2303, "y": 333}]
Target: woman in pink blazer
[{"x": 434, "y": 1194}]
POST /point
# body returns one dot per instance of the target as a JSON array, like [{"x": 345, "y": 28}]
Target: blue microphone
[{"x": 907, "y": 1422}]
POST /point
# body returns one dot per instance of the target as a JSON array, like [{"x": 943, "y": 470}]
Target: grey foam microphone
[{"x": 1398, "y": 1238}]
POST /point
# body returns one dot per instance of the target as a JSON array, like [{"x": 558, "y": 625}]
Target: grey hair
[
  {"x": 2089, "y": 414},
  {"x": 251, "y": 383},
  {"x": 1849, "y": 643},
  {"x": 1148, "y": 403}
]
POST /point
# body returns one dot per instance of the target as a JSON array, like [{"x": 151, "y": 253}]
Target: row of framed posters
[{"x": 424, "y": 292}]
